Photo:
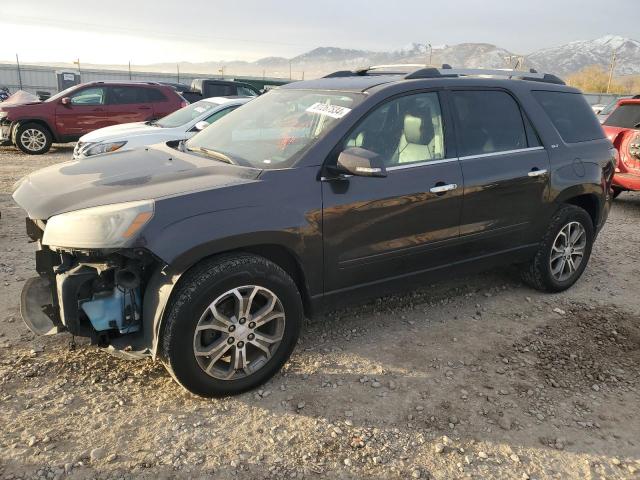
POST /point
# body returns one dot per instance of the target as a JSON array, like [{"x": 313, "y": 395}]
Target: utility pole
[
  {"x": 430, "y": 53},
  {"x": 129, "y": 69},
  {"x": 178, "y": 69},
  {"x": 613, "y": 66},
  {"x": 290, "y": 77},
  {"x": 222, "y": 72},
  {"x": 77, "y": 62},
  {"x": 19, "y": 72}
]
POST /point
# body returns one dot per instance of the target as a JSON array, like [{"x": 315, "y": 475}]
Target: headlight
[
  {"x": 108, "y": 226},
  {"x": 103, "y": 148}
]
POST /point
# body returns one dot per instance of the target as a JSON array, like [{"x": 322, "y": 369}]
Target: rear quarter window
[{"x": 571, "y": 115}]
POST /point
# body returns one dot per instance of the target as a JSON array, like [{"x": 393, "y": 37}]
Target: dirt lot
[{"x": 476, "y": 377}]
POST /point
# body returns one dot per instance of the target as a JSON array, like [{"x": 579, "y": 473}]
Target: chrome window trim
[
  {"x": 421, "y": 164},
  {"x": 506, "y": 152}
]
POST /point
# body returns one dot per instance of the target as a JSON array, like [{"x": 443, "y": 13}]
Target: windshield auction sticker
[{"x": 333, "y": 111}]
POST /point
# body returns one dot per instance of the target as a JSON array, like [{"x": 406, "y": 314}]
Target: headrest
[{"x": 418, "y": 129}]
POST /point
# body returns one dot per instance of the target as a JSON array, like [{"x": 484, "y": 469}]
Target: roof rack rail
[
  {"x": 531, "y": 75},
  {"x": 446, "y": 71},
  {"x": 400, "y": 69}
]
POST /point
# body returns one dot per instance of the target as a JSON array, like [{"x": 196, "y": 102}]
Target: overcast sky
[{"x": 152, "y": 31}]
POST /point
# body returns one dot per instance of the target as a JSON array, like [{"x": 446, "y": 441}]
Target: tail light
[{"x": 183, "y": 103}]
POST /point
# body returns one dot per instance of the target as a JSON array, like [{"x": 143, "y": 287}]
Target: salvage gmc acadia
[{"x": 207, "y": 254}]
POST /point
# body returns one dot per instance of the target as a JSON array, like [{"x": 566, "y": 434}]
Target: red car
[
  {"x": 65, "y": 117},
  {"x": 623, "y": 129}
]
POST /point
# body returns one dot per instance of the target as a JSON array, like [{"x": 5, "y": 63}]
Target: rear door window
[
  {"x": 625, "y": 116},
  {"x": 155, "y": 95},
  {"x": 128, "y": 95},
  {"x": 488, "y": 122},
  {"x": 571, "y": 115}
]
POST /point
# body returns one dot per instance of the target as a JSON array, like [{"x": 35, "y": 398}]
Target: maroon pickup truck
[{"x": 65, "y": 117}]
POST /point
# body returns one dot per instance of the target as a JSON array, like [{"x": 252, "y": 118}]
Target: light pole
[
  {"x": 613, "y": 66},
  {"x": 430, "y": 53},
  {"x": 19, "y": 72}
]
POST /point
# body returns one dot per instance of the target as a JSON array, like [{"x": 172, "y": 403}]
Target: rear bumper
[{"x": 626, "y": 181}]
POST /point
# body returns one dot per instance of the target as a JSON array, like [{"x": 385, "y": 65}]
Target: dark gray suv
[{"x": 207, "y": 254}]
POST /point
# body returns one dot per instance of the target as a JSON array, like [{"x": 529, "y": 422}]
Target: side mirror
[
  {"x": 361, "y": 162},
  {"x": 65, "y": 101},
  {"x": 201, "y": 125}
]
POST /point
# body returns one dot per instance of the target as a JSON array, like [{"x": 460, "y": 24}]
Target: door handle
[
  {"x": 144, "y": 108},
  {"x": 536, "y": 172},
  {"x": 443, "y": 188}
]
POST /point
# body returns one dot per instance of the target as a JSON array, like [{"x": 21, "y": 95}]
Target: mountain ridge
[{"x": 561, "y": 60}]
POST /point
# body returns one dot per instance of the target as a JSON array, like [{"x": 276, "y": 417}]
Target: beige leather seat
[{"x": 421, "y": 139}]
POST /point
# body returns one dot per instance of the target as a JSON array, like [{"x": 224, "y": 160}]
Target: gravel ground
[{"x": 476, "y": 377}]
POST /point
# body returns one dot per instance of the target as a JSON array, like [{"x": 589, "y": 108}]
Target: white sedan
[{"x": 179, "y": 125}]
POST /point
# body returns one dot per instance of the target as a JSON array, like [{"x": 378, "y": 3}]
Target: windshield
[
  {"x": 274, "y": 130},
  {"x": 626, "y": 115},
  {"x": 186, "y": 114}
]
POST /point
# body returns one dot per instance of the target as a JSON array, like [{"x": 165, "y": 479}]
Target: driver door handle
[
  {"x": 536, "y": 172},
  {"x": 443, "y": 188}
]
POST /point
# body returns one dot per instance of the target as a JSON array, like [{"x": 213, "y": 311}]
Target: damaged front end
[{"x": 94, "y": 293}]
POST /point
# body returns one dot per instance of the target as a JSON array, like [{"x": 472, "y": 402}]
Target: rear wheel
[
  {"x": 234, "y": 322},
  {"x": 33, "y": 138},
  {"x": 564, "y": 251}
]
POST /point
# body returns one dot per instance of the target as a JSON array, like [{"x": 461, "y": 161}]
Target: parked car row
[
  {"x": 34, "y": 125},
  {"x": 179, "y": 125},
  {"x": 207, "y": 254},
  {"x": 65, "y": 117}
]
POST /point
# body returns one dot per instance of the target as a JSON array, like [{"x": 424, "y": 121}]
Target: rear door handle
[
  {"x": 144, "y": 108},
  {"x": 443, "y": 188},
  {"x": 536, "y": 172}
]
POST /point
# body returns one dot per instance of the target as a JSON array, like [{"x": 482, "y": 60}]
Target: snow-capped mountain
[
  {"x": 573, "y": 56},
  {"x": 561, "y": 60}
]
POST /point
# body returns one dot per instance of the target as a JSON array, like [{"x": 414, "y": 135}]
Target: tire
[
  {"x": 215, "y": 282},
  {"x": 541, "y": 272},
  {"x": 33, "y": 138},
  {"x": 616, "y": 192}
]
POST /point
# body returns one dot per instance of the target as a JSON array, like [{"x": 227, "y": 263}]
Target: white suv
[{"x": 179, "y": 125}]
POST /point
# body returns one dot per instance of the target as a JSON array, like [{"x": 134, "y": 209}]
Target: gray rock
[{"x": 97, "y": 454}]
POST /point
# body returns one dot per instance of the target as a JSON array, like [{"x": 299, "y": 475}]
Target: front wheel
[
  {"x": 232, "y": 324},
  {"x": 33, "y": 138},
  {"x": 563, "y": 253}
]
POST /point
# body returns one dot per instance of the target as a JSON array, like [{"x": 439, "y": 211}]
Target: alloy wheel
[
  {"x": 239, "y": 332},
  {"x": 33, "y": 140},
  {"x": 568, "y": 251}
]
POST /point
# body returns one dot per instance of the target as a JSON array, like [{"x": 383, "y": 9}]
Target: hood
[
  {"x": 118, "y": 132},
  {"x": 21, "y": 98},
  {"x": 141, "y": 174}
]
